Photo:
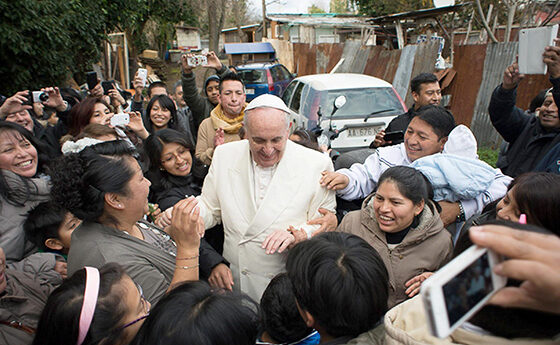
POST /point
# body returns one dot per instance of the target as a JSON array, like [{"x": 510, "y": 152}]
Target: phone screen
[{"x": 468, "y": 288}]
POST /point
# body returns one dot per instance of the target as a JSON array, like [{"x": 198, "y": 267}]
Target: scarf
[{"x": 220, "y": 120}]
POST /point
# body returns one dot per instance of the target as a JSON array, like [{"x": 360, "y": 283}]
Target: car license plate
[
  {"x": 250, "y": 91},
  {"x": 363, "y": 131}
]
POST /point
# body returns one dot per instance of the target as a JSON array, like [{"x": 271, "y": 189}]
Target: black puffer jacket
[{"x": 529, "y": 141}]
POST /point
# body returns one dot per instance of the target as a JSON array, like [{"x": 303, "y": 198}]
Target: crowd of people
[{"x": 204, "y": 219}]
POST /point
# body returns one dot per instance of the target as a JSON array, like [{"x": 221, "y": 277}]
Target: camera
[
  {"x": 36, "y": 97},
  {"x": 197, "y": 60}
]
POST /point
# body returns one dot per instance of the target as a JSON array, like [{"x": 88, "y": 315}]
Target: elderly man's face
[
  {"x": 22, "y": 118},
  {"x": 267, "y": 133}
]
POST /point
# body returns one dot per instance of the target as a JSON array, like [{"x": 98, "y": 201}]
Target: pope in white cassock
[{"x": 260, "y": 187}]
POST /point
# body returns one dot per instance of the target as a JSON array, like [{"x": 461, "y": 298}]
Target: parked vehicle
[
  {"x": 261, "y": 78},
  {"x": 369, "y": 105}
]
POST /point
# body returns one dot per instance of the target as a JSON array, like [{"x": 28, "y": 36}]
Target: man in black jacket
[
  {"x": 425, "y": 91},
  {"x": 530, "y": 137}
]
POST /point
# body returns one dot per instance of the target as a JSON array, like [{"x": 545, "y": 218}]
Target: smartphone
[
  {"x": 120, "y": 120},
  {"x": 143, "y": 73},
  {"x": 459, "y": 289},
  {"x": 393, "y": 136},
  {"x": 197, "y": 60},
  {"x": 91, "y": 78},
  {"x": 107, "y": 85}
]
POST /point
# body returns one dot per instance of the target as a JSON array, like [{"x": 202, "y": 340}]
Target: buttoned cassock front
[{"x": 293, "y": 198}]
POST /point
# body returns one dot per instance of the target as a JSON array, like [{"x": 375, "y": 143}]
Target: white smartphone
[
  {"x": 120, "y": 120},
  {"x": 459, "y": 289},
  {"x": 197, "y": 60},
  {"x": 143, "y": 73}
]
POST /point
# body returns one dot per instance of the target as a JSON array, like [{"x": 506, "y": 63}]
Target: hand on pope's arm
[
  {"x": 333, "y": 180},
  {"x": 534, "y": 259},
  {"x": 221, "y": 277},
  {"x": 327, "y": 222}
]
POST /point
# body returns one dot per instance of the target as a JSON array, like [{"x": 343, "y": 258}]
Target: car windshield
[
  {"x": 252, "y": 76},
  {"x": 381, "y": 101}
]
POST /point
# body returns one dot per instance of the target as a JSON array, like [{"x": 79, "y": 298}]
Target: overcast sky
[{"x": 289, "y": 6}]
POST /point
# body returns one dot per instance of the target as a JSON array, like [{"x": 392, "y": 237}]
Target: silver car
[{"x": 368, "y": 105}]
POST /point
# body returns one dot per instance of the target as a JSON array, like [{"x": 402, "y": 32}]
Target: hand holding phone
[{"x": 460, "y": 288}]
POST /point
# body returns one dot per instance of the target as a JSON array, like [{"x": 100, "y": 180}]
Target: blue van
[{"x": 261, "y": 78}]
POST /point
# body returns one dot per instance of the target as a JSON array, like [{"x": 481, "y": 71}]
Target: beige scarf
[{"x": 229, "y": 125}]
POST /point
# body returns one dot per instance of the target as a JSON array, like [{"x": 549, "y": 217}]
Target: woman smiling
[
  {"x": 104, "y": 186},
  {"x": 402, "y": 223},
  {"x": 21, "y": 188}
]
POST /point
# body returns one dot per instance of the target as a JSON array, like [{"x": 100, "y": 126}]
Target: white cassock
[{"x": 293, "y": 197}]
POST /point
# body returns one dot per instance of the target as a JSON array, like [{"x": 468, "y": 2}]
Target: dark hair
[
  {"x": 192, "y": 313},
  {"x": 537, "y": 194},
  {"x": 18, "y": 196},
  {"x": 43, "y": 222},
  {"x": 176, "y": 85},
  {"x": 341, "y": 281},
  {"x": 80, "y": 180},
  {"x": 70, "y": 95},
  {"x": 422, "y": 78},
  {"x": 230, "y": 76},
  {"x": 153, "y": 147},
  {"x": 81, "y": 114},
  {"x": 60, "y": 320},
  {"x": 411, "y": 183},
  {"x": 440, "y": 119},
  {"x": 537, "y": 101},
  {"x": 307, "y": 139},
  {"x": 154, "y": 85},
  {"x": 512, "y": 322},
  {"x": 164, "y": 102},
  {"x": 280, "y": 317}
]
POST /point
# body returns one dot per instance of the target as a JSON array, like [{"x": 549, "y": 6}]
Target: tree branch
[{"x": 485, "y": 23}]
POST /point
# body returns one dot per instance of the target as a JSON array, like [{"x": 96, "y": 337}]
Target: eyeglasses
[{"x": 146, "y": 309}]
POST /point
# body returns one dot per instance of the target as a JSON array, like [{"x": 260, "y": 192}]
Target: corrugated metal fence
[
  {"x": 479, "y": 69},
  {"x": 498, "y": 57}
]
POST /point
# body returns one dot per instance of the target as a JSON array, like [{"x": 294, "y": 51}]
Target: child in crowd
[
  {"x": 280, "y": 321},
  {"x": 341, "y": 287},
  {"x": 50, "y": 227}
]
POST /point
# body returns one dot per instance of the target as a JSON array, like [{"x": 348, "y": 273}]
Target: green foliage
[
  {"x": 489, "y": 155},
  {"x": 377, "y": 8},
  {"x": 43, "y": 42},
  {"x": 315, "y": 9}
]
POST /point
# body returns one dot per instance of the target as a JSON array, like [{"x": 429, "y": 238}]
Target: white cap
[{"x": 268, "y": 101}]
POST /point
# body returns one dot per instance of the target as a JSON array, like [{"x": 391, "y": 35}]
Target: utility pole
[{"x": 264, "y": 18}]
